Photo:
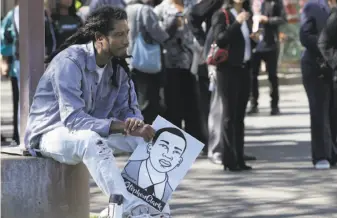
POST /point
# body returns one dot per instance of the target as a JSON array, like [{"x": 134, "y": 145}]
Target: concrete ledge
[{"x": 43, "y": 188}]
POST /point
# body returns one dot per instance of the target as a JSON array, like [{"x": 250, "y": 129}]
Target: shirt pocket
[
  {"x": 105, "y": 90},
  {"x": 107, "y": 97}
]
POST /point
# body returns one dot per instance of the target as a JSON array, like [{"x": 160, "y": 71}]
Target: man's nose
[
  {"x": 168, "y": 157},
  {"x": 126, "y": 41}
]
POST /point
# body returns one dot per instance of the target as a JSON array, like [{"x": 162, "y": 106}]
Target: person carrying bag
[{"x": 146, "y": 53}]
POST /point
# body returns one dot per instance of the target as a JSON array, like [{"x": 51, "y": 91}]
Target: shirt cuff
[{"x": 106, "y": 127}]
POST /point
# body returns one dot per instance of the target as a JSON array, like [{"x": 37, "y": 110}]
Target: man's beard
[{"x": 122, "y": 56}]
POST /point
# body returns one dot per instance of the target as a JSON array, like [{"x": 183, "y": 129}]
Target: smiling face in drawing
[{"x": 166, "y": 151}]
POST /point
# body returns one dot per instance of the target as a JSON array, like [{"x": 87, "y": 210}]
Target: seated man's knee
[
  {"x": 94, "y": 144},
  {"x": 88, "y": 136}
]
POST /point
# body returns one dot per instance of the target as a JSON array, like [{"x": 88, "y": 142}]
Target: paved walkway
[{"x": 282, "y": 184}]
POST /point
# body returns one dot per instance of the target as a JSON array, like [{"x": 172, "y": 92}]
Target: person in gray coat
[
  {"x": 180, "y": 89},
  {"x": 147, "y": 85}
]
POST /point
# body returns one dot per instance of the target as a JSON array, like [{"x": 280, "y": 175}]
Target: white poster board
[{"x": 155, "y": 169}]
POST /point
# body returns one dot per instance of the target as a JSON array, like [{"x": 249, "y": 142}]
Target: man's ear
[
  {"x": 98, "y": 36},
  {"x": 180, "y": 161},
  {"x": 149, "y": 147}
]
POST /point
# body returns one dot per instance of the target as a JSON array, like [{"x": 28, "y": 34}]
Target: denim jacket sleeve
[
  {"x": 66, "y": 81},
  {"x": 126, "y": 105}
]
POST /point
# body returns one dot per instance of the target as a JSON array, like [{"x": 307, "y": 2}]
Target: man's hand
[
  {"x": 131, "y": 124},
  {"x": 146, "y": 132},
  {"x": 263, "y": 19}
]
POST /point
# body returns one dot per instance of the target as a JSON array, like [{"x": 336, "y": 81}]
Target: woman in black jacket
[
  {"x": 327, "y": 44},
  {"x": 317, "y": 81},
  {"x": 233, "y": 77}
]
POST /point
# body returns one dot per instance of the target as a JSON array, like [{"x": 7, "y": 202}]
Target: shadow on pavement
[{"x": 283, "y": 184}]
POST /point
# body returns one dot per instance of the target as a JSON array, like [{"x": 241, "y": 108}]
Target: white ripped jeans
[{"x": 96, "y": 153}]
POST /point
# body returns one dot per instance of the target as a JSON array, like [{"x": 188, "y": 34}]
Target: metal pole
[{"x": 31, "y": 33}]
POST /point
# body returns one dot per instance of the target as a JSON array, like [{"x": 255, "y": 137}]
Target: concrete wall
[{"x": 42, "y": 188}]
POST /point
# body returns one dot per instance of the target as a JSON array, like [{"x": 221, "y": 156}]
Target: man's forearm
[{"x": 117, "y": 127}]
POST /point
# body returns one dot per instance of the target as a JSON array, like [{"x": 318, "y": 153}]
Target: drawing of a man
[{"x": 165, "y": 154}]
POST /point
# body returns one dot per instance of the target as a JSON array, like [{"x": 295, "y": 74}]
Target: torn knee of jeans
[{"x": 103, "y": 149}]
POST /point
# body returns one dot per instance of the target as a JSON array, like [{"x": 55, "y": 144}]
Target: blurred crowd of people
[{"x": 209, "y": 102}]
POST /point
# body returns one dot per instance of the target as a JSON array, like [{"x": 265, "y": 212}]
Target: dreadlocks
[{"x": 101, "y": 20}]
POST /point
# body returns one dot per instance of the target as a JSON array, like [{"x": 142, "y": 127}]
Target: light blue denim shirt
[{"x": 68, "y": 94}]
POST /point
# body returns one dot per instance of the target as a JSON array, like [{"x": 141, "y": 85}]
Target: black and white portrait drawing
[
  {"x": 156, "y": 168},
  {"x": 165, "y": 154}
]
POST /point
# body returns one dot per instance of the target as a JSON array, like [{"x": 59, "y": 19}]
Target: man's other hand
[
  {"x": 146, "y": 132},
  {"x": 131, "y": 124}
]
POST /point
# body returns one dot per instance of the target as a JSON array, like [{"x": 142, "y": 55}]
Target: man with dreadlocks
[{"x": 85, "y": 105}]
